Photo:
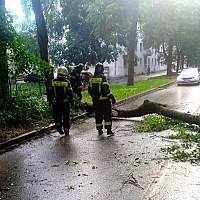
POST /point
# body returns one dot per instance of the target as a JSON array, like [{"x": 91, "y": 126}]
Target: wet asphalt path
[
  {"x": 86, "y": 166},
  {"x": 83, "y": 166}
]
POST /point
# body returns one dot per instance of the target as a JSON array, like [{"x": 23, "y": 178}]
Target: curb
[
  {"x": 26, "y": 136},
  {"x": 34, "y": 133}
]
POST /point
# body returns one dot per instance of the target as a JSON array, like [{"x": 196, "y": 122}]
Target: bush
[{"x": 23, "y": 109}]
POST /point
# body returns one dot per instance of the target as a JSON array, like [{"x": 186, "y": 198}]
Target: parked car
[
  {"x": 188, "y": 76},
  {"x": 31, "y": 78}
]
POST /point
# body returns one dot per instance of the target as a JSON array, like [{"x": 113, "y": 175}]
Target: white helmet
[{"x": 62, "y": 71}]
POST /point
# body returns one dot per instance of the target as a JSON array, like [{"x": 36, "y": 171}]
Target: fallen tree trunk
[{"x": 149, "y": 107}]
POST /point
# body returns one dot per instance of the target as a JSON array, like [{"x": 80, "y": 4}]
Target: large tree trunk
[
  {"x": 170, "y": 59},
  {"x": 42, "y": 40},
  {"x": 168, "y": 55},
  {"x": 169, "y": 66},
  {"x": 182, "y": 61},
  {"x": 178, "y": 60},
  {"x": 149, "y": 107},
  {"x": 188, "y": 62},
  {"x": 178, "y": 63},
  {"x": 4, "y": 87},
  {"x": 41, "y": 30},
  {"x": 132, "y": 44}
]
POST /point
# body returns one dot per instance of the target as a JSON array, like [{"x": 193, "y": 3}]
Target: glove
[{"x": 113, "y": 101}]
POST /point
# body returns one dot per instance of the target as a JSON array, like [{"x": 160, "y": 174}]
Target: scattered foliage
[
  {"x": 186, "y": 146},
  {"x": 153, "y": 123}
]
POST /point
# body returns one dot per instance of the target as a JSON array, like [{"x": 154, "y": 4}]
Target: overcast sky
[{"x": 15, "y": 7}]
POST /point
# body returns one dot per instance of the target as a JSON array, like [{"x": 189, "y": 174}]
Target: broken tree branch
[{"x": 149, "y": 107}]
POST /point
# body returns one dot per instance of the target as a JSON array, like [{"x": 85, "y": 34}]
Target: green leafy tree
[
  {"x": 160, "y": 28},
  {"x": 56, "y": 29},
  {"x": 29, "y": 33},
  {"x": 71, "y": 37},
  {"x": 3, "y": 57},
  {"x": 175, "y": 26},
  {"x": 28, "y": 30},
  {"x": 116, "y": 22},
  {"x": 14, "y": 50}
]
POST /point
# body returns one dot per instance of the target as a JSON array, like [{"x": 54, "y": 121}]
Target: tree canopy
[
  {"x": 117, "y": 22},
  {"x": 175, "y": 26},
  {"x": 90, "y": 31}
]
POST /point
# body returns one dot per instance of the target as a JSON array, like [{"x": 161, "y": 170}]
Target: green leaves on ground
[
  {"x": 153, "y": 123},
  {"x": 186, "y": 146}
]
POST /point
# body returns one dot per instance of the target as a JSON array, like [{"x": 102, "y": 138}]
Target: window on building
[
  {"x": 155, "y": 61},
  {"x": 140, "y": 61},
  {"x": 152, "y": 61},
  {"x": 141, "y": 47}
]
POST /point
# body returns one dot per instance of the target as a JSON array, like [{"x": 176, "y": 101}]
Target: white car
[{"x": 188, "y": 76}]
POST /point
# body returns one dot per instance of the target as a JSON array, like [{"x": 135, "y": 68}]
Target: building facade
[{"x": 147, "y": 61}]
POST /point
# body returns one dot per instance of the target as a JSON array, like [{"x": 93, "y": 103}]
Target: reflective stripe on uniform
[
  {"x": 99, "y": 125},
  {"x": 107, "y": 123},
  {"x": 105, "y": 83},
  {"x": 95, "y": 80},
  {"x": 63, "y": 84},
  {"x": 60, "y": 84},
  {"x": 103, "y": 98}
]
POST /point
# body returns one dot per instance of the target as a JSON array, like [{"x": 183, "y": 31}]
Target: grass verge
[{"x": 122, "y": 91}]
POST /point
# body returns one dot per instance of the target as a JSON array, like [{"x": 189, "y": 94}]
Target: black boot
[
  {"x": 110, "y": 133},
  {"x": 60, "y": 131},
  {"x": 100, "y": 132},
  {"x": 66, "y": 130}
]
